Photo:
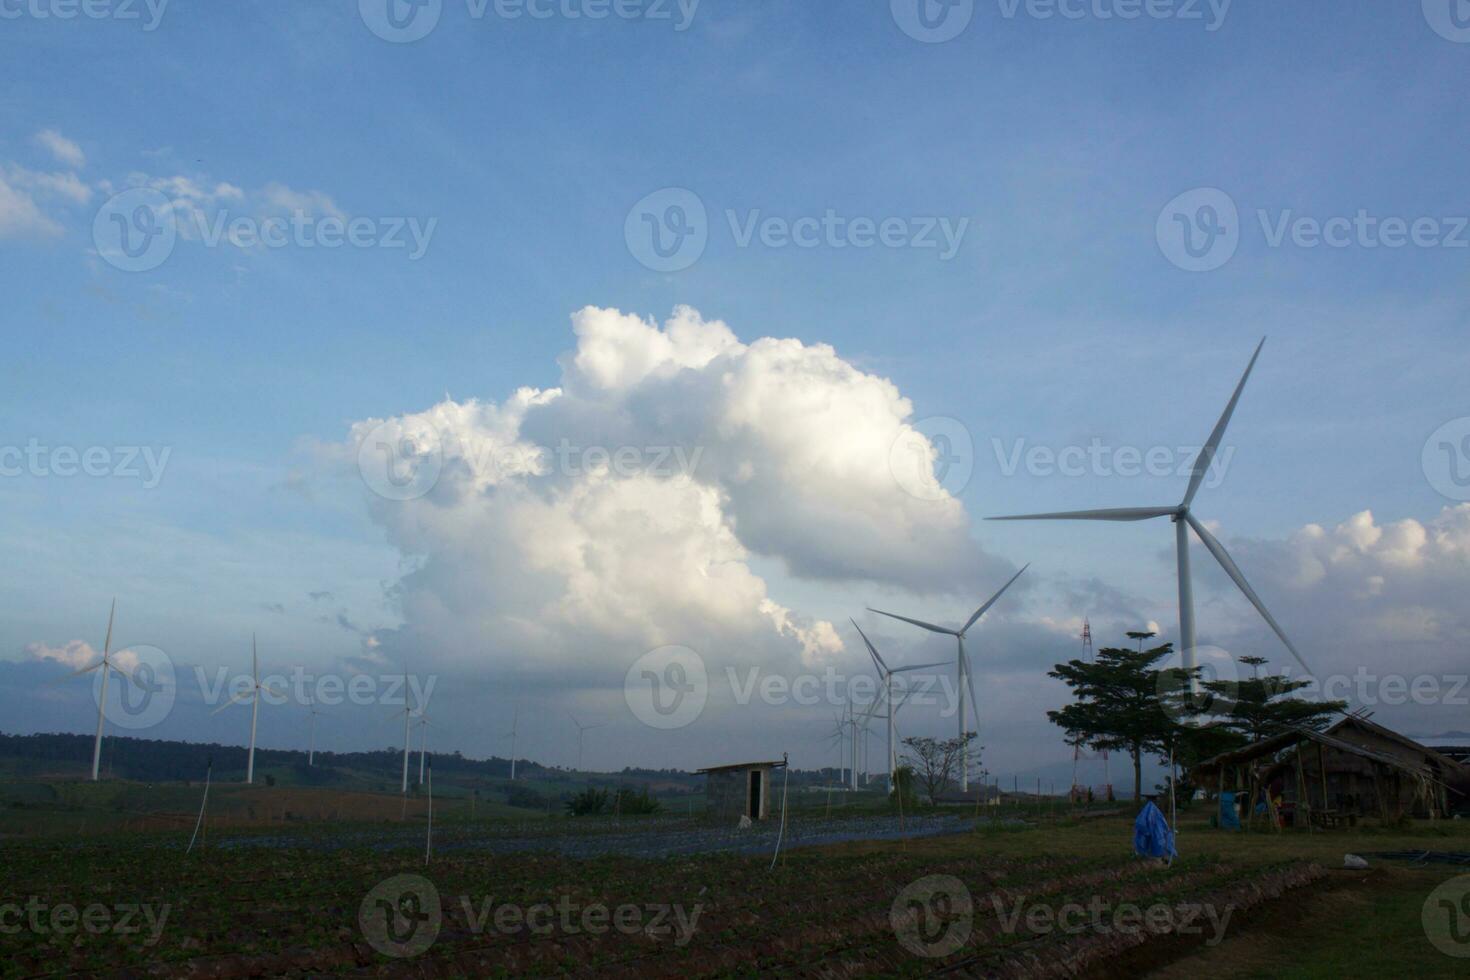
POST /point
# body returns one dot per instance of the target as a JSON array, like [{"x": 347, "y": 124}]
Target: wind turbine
[
  {"x": 1184, "y": 519},
  {"x": 423, "y": 724},
  {"x": 311, "y": 750},
  {"x": 962, "y": 665},
  {"x": 253, "y": 694},
  {"x": 514, "y": 724},
  {"x": 582, "y": 730},
  {"x": 106, "y": 664},
  {"x": 885, "y": 673},
  {"x": 407, "y": 713}
]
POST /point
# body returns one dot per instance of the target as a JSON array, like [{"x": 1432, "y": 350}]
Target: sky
[{"x": 839, "y": 280}]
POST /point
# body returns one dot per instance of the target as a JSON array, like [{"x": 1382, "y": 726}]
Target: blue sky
[{"x": 1059, "y": 319}]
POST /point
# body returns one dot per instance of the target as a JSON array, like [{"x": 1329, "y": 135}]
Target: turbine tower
[
  {"x": 253, "y": 694},
  {"x": 962, "y": 666},
  {"x": 1184, "y": 519},
  {"x": 885, "y": 673}
]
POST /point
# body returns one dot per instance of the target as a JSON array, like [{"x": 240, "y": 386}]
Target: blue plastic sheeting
[
  {"x": 1229, "y": 818},
  {"x": 1151, "y": 834}
]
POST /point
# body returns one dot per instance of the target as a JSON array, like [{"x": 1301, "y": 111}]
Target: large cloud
[{"x": 571, "y": 529}]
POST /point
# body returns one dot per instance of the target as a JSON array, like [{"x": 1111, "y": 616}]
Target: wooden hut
[{"x": 1352, "y": 769}]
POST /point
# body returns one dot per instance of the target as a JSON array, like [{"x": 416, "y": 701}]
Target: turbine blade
[
  {"x": 900, "y": 670},
  {"x": 241, "y": 697},
  {"x": 1233, "y": 570},
  {"x": 917, "y": 622},
  {"x": 273, "y": 691},
  {"x": 871, "y": 649},
  {"x": 107, "y": 643},
  {"x": 83, "y": 670},
  {"x": 1212, "y": 444},
  {"x": 254, "y": 662},
  {"x": 1106, "y": 514},
  {"x": 981, "y": 611}
]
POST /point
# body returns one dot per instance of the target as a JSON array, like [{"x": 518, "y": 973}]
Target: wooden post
[
  {"x": 1322, "y": 771},
  {"x": 1303, "y": 804}
]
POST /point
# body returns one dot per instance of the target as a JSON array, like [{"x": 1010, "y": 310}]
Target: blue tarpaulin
[
  {"x": 1151, "y": 834},
  {"x": 1229, "y": 819}
]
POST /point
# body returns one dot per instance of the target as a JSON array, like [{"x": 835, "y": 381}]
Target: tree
[
  {"x": 1263, "y": 706},
  {"x": 1122, "y": 702},
  {"x": 936, "y": 762}
]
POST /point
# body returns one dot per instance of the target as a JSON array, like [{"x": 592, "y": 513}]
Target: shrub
[{"x": 589, "y": 802}]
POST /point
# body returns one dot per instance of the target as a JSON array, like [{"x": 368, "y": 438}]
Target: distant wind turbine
[
  {"x": 407, "y": 713},
  {"x": 582, "y": 730},
  {"x": 514, "y": 723},
  {"x": 962, "y": 665},
  {"x": 885, "y": 673},
  {"x": 253, "y": 694},
  {"x": 311, "y": 749},
  {"x": 106, "y": 664},
  {"x": 423, "y": 724},
  {"x": 1183, "y": 519}
]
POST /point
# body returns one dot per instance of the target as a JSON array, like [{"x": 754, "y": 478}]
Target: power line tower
[{"x": 1079, "y": 751}]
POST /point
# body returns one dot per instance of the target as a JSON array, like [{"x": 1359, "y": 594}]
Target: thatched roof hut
[{"x": 1353, "y": 768}]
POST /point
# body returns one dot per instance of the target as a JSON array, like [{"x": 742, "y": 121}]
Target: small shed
[{"x": 742, "y": 789}]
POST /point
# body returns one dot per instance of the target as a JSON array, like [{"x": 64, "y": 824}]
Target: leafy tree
[
  {"x": 1122, "y": 702},
  {"x": 936, "y": 762}
]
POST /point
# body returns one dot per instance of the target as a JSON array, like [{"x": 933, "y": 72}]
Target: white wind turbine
[
  {"x": 962, "y": 666},
  {"x": 253, "y": 694},
  {"x": 407, "y": 712},
  {"x": 1184, "y": 519},
  {"x": 423, "y": 724},
  {"x": 311, "y": 749},
  {"x": 885, "y": 673},
  {"x": 514, "y": 724},
  {"x": 582, "y": 730},
  {"x": 106, "y": 664}
]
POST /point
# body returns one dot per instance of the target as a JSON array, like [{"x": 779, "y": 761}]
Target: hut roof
[
  {"x": 1270, "y": 746},
  {"x": 774, "y": 764}
]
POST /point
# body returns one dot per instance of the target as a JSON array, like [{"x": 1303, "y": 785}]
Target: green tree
[
  {"x": 1121, "y": 702},
  {"x": 1262, "y": 706}
]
